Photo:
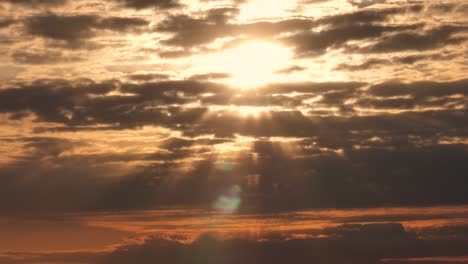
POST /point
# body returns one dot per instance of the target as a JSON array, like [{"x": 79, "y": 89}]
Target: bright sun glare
[{"x": 250, "y": 64}]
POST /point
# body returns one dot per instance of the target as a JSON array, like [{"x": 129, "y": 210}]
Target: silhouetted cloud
[
  {"x": 210, "y": 76},
  {"x": 78, "y": 28},
  {"x": 316, "y": 43},
  {"x": 324, "y": 162},
  {"x": 148, "y": 76},
  {"x": 43, "y": 57},
  {"x": 140, "y": 4},
  {"x": 375, "y": 63},
  {"x": 6, "y": 22},
  {"x": 431, "y": 39},
  {"x": 193, "y": 31},
  {"x": 291, "y": 69},
  {"x": 372, "y": 63},
  {"x": 366, "y": 3},
  {"x": 356, "y": 244},
  {"x": 359, "y": 243},
  {"x": 35, "y": 2}
]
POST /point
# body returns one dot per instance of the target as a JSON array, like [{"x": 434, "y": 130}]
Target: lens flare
[
  {"x": 230, "y": 201},
  {"x": 224, "y": 166}
]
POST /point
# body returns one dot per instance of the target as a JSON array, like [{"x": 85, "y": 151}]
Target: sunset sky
[{"x": 236, "y": 131}]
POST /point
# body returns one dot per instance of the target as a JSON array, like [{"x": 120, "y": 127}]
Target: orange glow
[{"x": 192, "y": 223}]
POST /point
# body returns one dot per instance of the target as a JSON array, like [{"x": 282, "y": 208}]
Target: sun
[{"x": 251, "y": 64}]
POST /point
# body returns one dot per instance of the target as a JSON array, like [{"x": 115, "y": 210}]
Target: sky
[{"x": 233, "y": 131}]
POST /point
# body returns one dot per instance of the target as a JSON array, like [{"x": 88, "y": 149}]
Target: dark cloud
[
  {"x": 420, "y": 90},
  {"x": 6, "y": 23},
  {"x": 291, "y": 69},
  {"x": 137, "y": 4},
  {"x": 376, "y": 63},
  {"x": 78, "y": 28},
  {"x": 356, "y": 244},
  {"x": 462, "y": 8},
  {"x": 50, "y": 99},
  {"x": 418, "y": 175},
  {"x": 408, "y": 139},
  {"x": 366, "y": 3},
  {"x": 33, "y": 183},
  {"x": 150, "y": 103},
  {"x": 36, "y": 2},
  {"x": 430, "y": 39},
  {"x": 442, "y": 7},
  {"x": 411, "y": 59},
  {"x": 51, "y": 257},
  {"x": 141, "y": 4},
  {"x": 144, "y": 77},
  {"x": 73, "y": 106},
  {"x": 369, "y": 64},
  {"x": 337, "y": 153},
  {"x": 313, "y": 1},
  {"x": 366, "y": 16},
  {"x": 190, "y": 31},
  {"x": 312, "y": 44},
  {"x": 361, "y": 21},
  {"x": 174, "y": 54},
  {"x": 29, "y": 56},
  {"x": 400, "y": 103},
  {"x": 210, "y": 76}
]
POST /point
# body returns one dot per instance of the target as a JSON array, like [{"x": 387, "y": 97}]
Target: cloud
[
  {"x": 9, "y": 72},
  {"x": 376, "y": 63},
  {"x": 145, "y": 77},
  {"x": 61, "y": 102},
  {"x": 431, "y": 39},
  {"x": 366, "y": 16},
  {"x": 36, "y": 2},
  {"x": 307, "y": 178},
  {"x": 369, "y": 64},
  {"x": 210, "y": 76},
  {"x": 420, "y": 90},
  {"x": 6, "y": 23},
  {"x": 356, "y": 244},
  {"x": 366, "y": 3},
  {"x": 76, "y": 29},
  {"x": 137, "y": 4},
  {"x": 291, "y": 69},
  {"x": 31, "y": 56},
  {"x": 216, "y": 24},
  {"x": 188, "y": 32},
  {"x": 321, "y": 152},
  {"x": 312, "y": 44},
  {"x": 428, "y": 260},
  {"x": 442, "y": 7},
  {"x": 142, "y": 4}
]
